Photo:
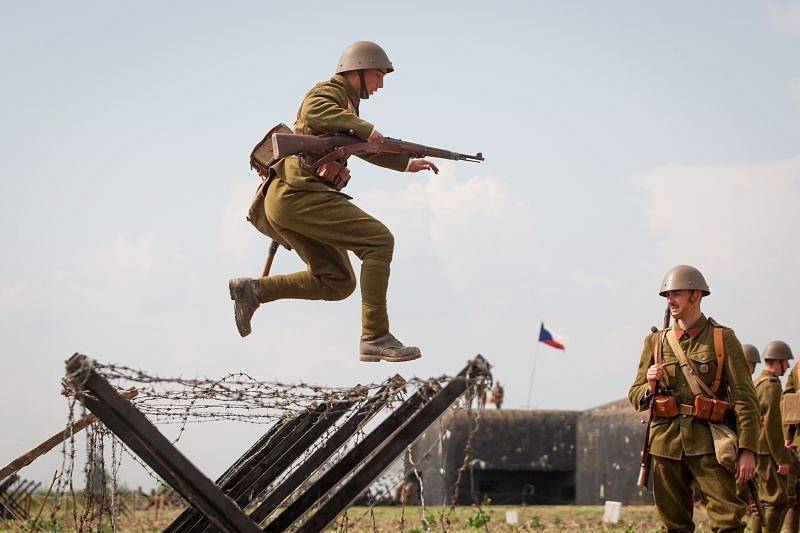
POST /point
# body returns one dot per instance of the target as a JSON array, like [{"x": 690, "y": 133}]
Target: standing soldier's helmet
[
  {"x": 362, "y": 55},
  {"x": 777, "y": 350},
  {"x": 684, "y": 277},
  {"x": 751, "y": 353}
]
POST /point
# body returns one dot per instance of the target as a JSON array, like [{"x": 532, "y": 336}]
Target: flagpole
[{"x": 533, "y": 370}]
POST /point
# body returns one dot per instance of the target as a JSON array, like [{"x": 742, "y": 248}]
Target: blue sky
[{"x": 620, "y": 139}]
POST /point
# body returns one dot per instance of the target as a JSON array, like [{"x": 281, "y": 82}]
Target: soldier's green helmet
[
  {"x": 684, "y": 277},
  {"x": 751, "y": 353},
  {"x": 777, "y": 350},
  {"x": 362, "y": 55}
]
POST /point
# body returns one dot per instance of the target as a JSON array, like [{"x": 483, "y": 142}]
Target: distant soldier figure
[
  {"x": 751, "y": 354},
  {"x": 792, "y": 441},
  {"x": 321, "y": 223},
  {"x": 497, "y": 394},
  {"x": 681, "y": 444},
  {"x": 773, "y": 459},
  {"x": 480, "y": 392}
]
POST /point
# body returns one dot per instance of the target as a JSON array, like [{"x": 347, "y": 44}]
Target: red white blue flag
[{"x": 547, "y": 337}]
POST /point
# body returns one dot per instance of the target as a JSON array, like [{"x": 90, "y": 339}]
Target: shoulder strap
[
  {"x": 719, "y": 352},
  {"x": 760, "y": 380},
  {"x": 695, "y": 383}
]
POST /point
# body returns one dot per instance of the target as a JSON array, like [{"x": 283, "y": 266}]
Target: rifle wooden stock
[
  {"x": 644, "y": 467},
  {"x": 342, "y": 146}
]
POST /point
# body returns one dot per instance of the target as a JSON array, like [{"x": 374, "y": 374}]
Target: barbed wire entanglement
[{"x": 315, "y": 459}]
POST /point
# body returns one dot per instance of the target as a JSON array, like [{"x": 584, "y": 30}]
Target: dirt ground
[{"x": 411, "y": 520}]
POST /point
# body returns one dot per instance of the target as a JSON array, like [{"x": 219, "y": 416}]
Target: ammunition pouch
[
  {"x": 665, "y": 406},
  {"x": 332, "y": 173},
  {"x": 710, "y": 409},
  {"x": 790, "y": 408}
]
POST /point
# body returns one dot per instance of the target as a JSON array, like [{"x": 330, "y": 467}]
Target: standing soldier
[
  {"x": 751, "y": 354},
  {"x": 321, "y": 224},
  {"x": 497, "y": 394},
  {"x": 772, "y": 462},
  {"x": 686, "y": 367},
  {"x": 792, "y": 436}
]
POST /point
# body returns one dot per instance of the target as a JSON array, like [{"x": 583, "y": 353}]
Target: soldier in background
[
  {"x": 497, "y": 394},
  {"x": 773, "y": 458},
  {"x": 792, "y": 440},
  {"x": 751, "y": 354},
  {"x": 681, "y": 445}
]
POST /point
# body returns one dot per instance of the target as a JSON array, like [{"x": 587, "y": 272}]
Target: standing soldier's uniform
[
  {"x": 497, "y": 395},
  {"x": 772, "y": 487},
  {"x": 792, "y": 439},
  {"x": 753, "y": 359},
  {"x": 319, "y": 222},
  {"x": 681, "y": 444}
]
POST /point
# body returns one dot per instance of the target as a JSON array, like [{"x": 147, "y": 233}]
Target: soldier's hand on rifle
[
  {"x": 788, "y": 443},
  {"x": 376, "y": 137},
  {"x": 783, "y": 469},
  {"x": 746, "y": 466},
  {"x": 654, "y": 375},
  {"x": 415, "y": 165}
]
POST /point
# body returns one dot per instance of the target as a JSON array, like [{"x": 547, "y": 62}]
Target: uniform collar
[
  {"x": 767, "y": 374},
  {"x": 351, "y": 92},
  {"x": 694, "y": 330}
]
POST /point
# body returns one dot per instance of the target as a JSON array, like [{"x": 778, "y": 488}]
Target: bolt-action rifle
[
  {"x": 644, "y": 468},
  {"x": 343, "y": 146}
]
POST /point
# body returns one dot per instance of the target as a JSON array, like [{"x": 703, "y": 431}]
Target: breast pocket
[{"x": 704, "y": 365}]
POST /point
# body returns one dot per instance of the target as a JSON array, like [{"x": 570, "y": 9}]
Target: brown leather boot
[
  {"x": 244, "y": 293},
  {"x": 386, "y": 348}
]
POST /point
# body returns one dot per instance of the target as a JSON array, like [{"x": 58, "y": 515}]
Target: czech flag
[{"x": 546, "y": 337}]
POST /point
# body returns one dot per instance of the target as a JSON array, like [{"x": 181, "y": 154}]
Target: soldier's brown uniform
[
  {"x": 321, "y": 224},
  {"x": 791, "y": 434},
  {"x": 682, "y": 447},
  {"x": 772, "y": 488}
]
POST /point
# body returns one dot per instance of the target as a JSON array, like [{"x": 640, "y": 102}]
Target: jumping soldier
[
  {"x": 320, "y": 222},
  {"x": 773, "y": 459},
  {"x": 697, "y": 371},
  {"x": 792, "y": 441}
]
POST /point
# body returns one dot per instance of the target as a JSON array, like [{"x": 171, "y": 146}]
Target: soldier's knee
[
  {"x": 385, "y": 242},
  {"x": 340, "y": 288}
]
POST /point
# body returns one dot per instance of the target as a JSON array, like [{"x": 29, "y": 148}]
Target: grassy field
[{"x": 411, "y": 520}]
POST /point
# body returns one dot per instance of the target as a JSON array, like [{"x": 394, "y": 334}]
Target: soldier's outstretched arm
[
  {"x": 743, "y": 394},
  {"x": 639, "y": 388}
]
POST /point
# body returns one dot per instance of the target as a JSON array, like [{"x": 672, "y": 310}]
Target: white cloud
[
  {"x": 785, "y": 15},
  {"x": 458, "y": 220},
  {"x": 236, "y": 238}
]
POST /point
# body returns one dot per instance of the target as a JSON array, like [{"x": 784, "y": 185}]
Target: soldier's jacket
[
  {"x": 671, "y": 438},
  {"x": 770, "y": 442},
  {"x": 790, "y": 432},
  {"x": 328, "y": 109}
]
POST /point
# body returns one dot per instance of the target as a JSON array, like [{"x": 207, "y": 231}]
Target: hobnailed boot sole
[{"x": 370, "y": 358}]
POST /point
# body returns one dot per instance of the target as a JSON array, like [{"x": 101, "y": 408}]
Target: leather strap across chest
[{"x": 696, "y": 384}]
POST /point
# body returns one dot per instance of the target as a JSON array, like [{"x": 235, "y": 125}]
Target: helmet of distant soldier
[
  {"x": 684, "y": 277},
  {"x": 777, "y": 350},
  {"x": 751, "y": 353},
  {"x": 363, "y": 55}
]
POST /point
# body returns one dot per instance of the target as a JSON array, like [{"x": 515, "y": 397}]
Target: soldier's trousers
[
  {"x": 322, "y": 227},
  {"x": 672, "y": 492},
  {"x": 772, "y": 490},
  {"x": 791, "y": 523}
]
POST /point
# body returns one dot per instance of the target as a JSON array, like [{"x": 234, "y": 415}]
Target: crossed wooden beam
[{"x": 252, "y": 481}]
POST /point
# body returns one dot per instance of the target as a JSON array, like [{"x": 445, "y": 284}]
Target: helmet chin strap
[{"x": 363, "y": 94}]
